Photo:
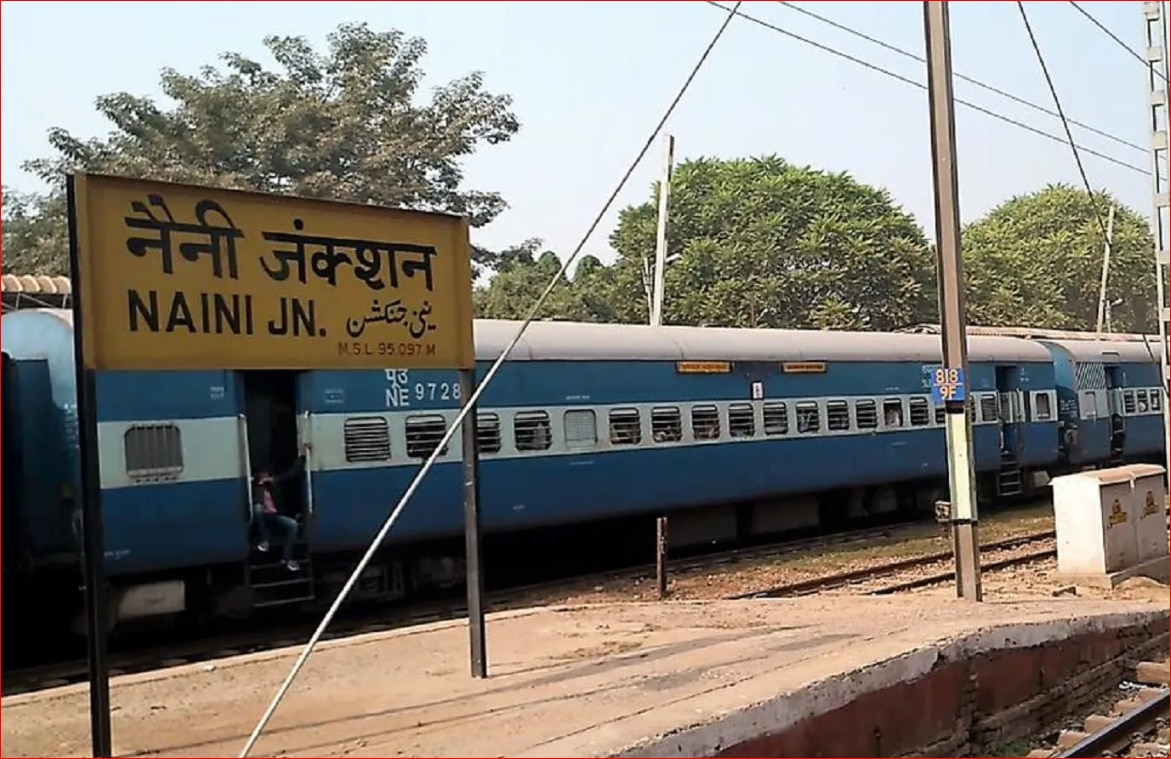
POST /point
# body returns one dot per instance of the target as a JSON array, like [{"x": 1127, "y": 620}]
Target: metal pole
[
  {"x": 661, "y": 233},
  {"x": 661, "y": 555},
  {"x": 93, "y": 551},
  {"x": 941, "y": 102},
  {"x": 475, "y": 565},
  {"x": 1105, "y": 267},
  {"x": 1158, "y": 70}
]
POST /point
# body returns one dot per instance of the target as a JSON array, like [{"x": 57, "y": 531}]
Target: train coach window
[
  {"x": 892, "y": 412},
  {"x": 367, "y": 438},
  {"x": 837, "y": 416},
  {"x": 1128, "y": 404},
  {"x": 424, "y": 434},
  {"x": 1042, "y": 407},
  {"x": 808, "y": 418},
  {"x": 705, "y": 422},
  {"x": 989, "y": 408},
  {"x": 625, "y": 427},
  {"x": 531, "y": 430},
  {"x": 153, "y": 450},
  {"x": 581, "y": 428},
  {"x": 920, "y": 412},
  {"x": 741, "y": 420},
  {"x": 866, "y": 415},
  {"x": 666, "y": 424},
  {"x": 488, "y": 433},
  {"x": 776, "y": 418}
]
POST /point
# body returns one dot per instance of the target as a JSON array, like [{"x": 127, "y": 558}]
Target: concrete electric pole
[{"x": 950, "y": 380}]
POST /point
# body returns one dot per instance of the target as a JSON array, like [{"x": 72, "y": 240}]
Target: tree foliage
[
  {"x": 348, "y": 124},
  {"x": 764, "y": 243},
  {"x": 522, "y": 275},
  {"x": 1036, "y": 260},
  {"x": 35, "y": 237}
]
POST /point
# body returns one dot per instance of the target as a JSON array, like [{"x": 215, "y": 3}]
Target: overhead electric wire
[
  {"x": 470, "y": 403},
  {"x": 1106, "y": 30},
  {"x": 983, "y": 85},
  {"x": 919, "y": 85},
  {"x": 1072, "y": 145}
]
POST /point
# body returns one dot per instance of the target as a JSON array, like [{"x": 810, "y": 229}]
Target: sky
[{"x": 591, "y": 79}]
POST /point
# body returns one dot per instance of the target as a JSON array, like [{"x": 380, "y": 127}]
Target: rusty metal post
[{"x": 661, "y": 556}]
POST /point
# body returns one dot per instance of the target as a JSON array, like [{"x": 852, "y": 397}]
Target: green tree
[
  {"x": 35, "y": 238},
  {"x": 1036, "y": 260},
  {"x": 763, "y": 243},
  {"x": 523, "y": 274},
  {"x": 347, "y": 125}
]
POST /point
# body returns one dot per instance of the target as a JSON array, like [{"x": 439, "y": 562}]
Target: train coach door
[
  {"x": 304, "y": 411},
  {"x": 1114, "y": 406},
  {"x": 1010, "y": 409},
  {"x": 274, "y": 425},
  {"x": 272, "y": 429}
]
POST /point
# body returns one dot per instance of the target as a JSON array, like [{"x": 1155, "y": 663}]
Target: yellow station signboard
[{"x": 181, "y": 277}]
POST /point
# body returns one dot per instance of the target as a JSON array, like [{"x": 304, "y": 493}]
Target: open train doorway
[
  {"x": 271, "y": 409},
  {"x": 1010, "y": 410},
  {"x": 11, "y": 462},
  {"x": 1115, "y": 405}
]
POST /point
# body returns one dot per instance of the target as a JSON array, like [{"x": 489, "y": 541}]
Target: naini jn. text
[{"x": 220, "y": 314}]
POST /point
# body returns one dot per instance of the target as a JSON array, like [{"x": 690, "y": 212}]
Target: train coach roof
[
  {"x": 572, "y": 341},
  {"x": 1100, "y": 350},
  {"x": 64, "y": 314}
]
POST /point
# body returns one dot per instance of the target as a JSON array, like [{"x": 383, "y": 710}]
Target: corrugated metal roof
[
  {"x": 571, "y": 341},
  {"x": 29, "y": 284}
]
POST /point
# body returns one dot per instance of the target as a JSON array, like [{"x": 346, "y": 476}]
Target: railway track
[
  {"x": 1136, "y": 725},
  {"x": 216, "y": 647},
  {"x": 930, "y": 569}
]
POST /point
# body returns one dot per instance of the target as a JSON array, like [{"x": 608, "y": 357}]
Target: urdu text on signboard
[{"x": 181, "y": 277}]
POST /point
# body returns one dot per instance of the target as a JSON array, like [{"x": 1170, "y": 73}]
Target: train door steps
[
  {"x": 274, "y": 584},
  {"x": 1009, "y": 483},
  {"x": 920, "y": 673}
]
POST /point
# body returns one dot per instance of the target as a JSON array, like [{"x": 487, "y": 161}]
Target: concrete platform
[{"x": 671, "y": 679}]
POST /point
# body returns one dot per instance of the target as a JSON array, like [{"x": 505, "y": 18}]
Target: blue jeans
[{"x": 285, "y": 527}]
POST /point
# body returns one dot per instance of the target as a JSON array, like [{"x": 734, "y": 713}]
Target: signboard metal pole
[
  {"x": 92, "y": 533},
  {"x": 941, "y": 107},
  {"x": 475, "y": 564}
]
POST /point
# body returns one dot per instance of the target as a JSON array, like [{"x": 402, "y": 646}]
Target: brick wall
[{"x": 972, "y": 706}]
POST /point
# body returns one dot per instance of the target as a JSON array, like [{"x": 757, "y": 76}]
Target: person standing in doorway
[{"x": 266, "y": 511}]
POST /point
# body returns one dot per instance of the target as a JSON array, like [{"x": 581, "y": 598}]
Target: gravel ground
[
  {"x": 1152, "y": 742},
  {"x": 757, "y": 575},
  {"x": 908, "y": 575}
]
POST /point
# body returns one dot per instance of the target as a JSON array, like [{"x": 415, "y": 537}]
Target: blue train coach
[
  {"x": 1109, "y": 400},
  {"x": 733, "y": 432}
]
